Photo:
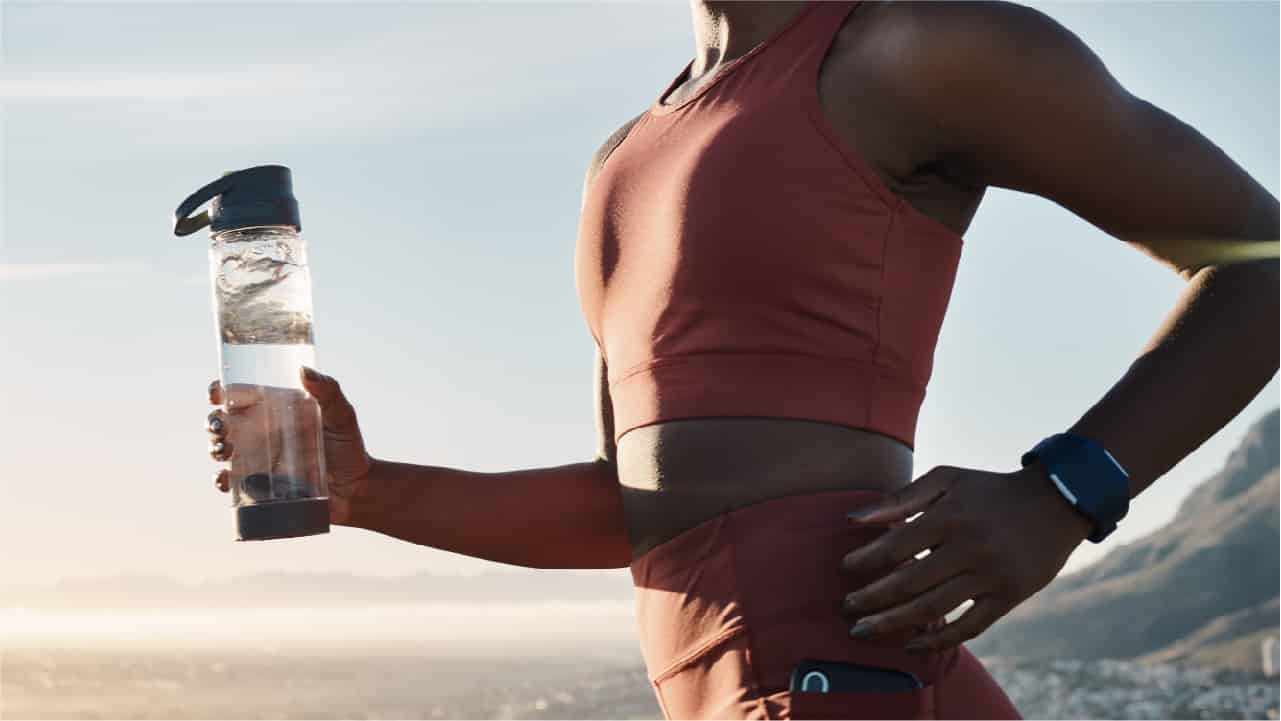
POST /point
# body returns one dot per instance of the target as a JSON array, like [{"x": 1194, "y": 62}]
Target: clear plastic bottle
[{"x": 263, "y": 315}]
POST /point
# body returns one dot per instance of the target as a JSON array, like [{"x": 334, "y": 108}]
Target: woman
[{"x": 765, "y": 257}]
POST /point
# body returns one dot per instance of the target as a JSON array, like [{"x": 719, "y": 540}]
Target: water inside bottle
[
  {"x": 262, "y": 289},
  {"x": 266, "y": 364}
]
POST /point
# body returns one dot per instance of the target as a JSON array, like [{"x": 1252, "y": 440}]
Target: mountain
[
  {"x": 1203, "y": 588},
  {"x": 1228, "y": 641}
]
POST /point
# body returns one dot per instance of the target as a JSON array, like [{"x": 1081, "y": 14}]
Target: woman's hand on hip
[{"x": 996, "y": 538}]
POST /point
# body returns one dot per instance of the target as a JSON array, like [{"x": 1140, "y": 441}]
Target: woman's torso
[{"x": 677, "y": 474}]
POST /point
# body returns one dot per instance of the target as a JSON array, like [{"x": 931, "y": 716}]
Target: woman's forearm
[
  {"x": 1213, "y": 354},
  {"x": 564, "y": 517}
]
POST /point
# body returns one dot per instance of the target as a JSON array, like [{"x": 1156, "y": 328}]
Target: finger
[
  {"x": 216, "y": 423},
  {"x": 970, "y": 624},
  {"x": 215, "y": 392},
  {"x": 336, "y": 412},
  {"x": 894, "y": 547},
  {"x": 220, "y": 450},
  {"x": 241, "y": 396},
  {"x": 222, "y": 480},
  {"x": 904, "y": 583},
  {"x": 920, "y": 610},
  {"x": 908, "y": 500}
]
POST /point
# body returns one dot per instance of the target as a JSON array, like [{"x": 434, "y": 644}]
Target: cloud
[
  {"x": 402, "y": 69},
  {"x": 130, "y": 84},
  {"x": 38, "y": 271}
]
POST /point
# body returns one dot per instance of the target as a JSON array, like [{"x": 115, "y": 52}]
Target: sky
[{"x": 438, "y": 152}]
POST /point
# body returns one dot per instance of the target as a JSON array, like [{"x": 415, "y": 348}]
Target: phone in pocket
[{"x": 836, "y": 676}]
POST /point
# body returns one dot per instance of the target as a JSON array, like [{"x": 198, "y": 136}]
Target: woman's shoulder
[{"x": 611, "y": 143}]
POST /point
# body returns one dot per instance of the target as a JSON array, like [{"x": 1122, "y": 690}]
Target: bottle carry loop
[{"x": 261, "y": 195}]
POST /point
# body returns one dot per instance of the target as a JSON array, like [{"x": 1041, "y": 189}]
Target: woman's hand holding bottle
[{"x": 235, "y": 428}]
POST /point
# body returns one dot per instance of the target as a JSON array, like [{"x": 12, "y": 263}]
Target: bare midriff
[{"x": 678, "y": 474}]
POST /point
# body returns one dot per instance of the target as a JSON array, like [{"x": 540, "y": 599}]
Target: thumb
[
  {"x": 908, "y": 500},
  {"x": 336, "y": 411}
]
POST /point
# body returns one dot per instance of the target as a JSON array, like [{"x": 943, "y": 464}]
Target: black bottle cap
[{"x": 262, "y": 195}]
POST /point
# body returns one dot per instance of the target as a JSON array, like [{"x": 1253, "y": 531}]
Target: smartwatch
[{"x": 1089, "y": 477}]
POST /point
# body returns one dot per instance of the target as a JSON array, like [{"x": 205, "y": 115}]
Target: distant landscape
[
  {"x": 1173, "y": 625},
  {"x": 1201, "y": 590},
  {"x": 324, "y": 590}
]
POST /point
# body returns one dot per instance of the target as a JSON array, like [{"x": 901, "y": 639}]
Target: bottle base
[{"x": 282, "y": 519}]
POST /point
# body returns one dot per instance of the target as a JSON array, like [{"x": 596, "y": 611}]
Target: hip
[{"x": 727, "y": 609}]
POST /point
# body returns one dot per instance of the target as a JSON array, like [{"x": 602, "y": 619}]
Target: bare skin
[{"x": 943, "y": 100}]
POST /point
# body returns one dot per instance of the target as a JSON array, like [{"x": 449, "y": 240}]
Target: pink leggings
[{"x": 727, "y": 608}]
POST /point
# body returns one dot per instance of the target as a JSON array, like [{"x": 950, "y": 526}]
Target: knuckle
[
  {"x": 983, "y": 546},
  {"x": 934, "y": 607},
  {"x": 986, "y": 556},
  {"x": 954, "y": 525},
  {"x": 977, "y": 534},
  {"x": 1015, "y": 587}
]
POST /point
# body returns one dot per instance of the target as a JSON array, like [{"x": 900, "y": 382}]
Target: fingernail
[
  {"x": 218, "y": 447},
  {"x": 862, "y": 629},
  {"x": 849, "y": 605},
  {"x": 215, "y": 425},
  {"x": 310, "y": 373},
  {"x": 859, "y": 515},
  {"x": 915, "y": 645}
]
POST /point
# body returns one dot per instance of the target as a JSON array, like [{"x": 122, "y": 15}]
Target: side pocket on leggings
[
  {"x": 914, "y": 704},
  {"x": 713, "y": 682}
]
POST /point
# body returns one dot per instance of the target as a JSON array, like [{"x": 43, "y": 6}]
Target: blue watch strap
[{"x": 1089, "y": 477}]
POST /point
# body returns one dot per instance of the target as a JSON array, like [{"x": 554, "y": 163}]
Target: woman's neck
[{"x": 726, "y": 30}]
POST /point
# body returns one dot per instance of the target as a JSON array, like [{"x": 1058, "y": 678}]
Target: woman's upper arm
[{"x": 1018, "y": 101}]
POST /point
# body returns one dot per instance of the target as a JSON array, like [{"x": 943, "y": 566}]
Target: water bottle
[{"x": 263, "y": 316}]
